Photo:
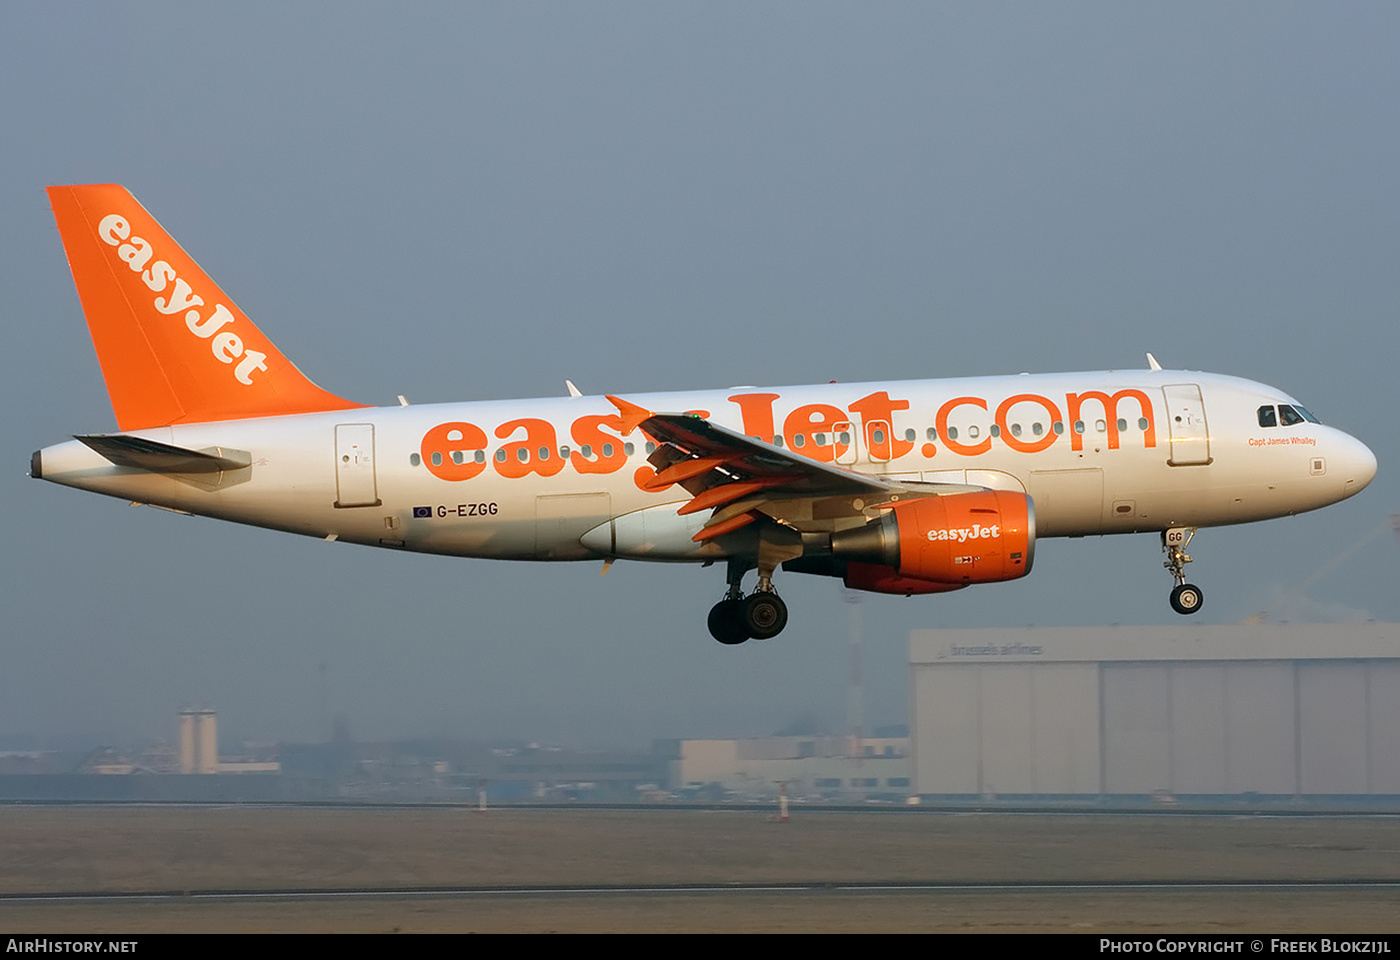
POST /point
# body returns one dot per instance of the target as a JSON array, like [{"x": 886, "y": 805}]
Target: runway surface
[{"x": 144, "y": 869}]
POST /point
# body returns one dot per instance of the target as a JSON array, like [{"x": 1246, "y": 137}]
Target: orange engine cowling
[
  {"x": 880, "y": 579},
  {"x": 957, "y": 539}
]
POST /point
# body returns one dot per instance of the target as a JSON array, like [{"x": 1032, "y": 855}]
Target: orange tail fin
[{"x": 172, "y": 346}]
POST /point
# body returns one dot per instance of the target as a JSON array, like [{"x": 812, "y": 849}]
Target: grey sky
[{"x": 464, "y": 201}]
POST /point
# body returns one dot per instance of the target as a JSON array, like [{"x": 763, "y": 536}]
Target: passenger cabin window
[{"x": 1267, "y": 418}]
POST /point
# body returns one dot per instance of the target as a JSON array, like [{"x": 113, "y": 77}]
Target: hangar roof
[{"x": 1262, "y": 641}]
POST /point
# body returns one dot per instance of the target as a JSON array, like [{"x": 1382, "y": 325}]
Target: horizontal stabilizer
[{"x": 155, "y": 457}]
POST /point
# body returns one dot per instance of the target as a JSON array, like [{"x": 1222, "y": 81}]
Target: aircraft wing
[
  {"x": 735, "y": 474},
  {"x": 783, "y": 473}
]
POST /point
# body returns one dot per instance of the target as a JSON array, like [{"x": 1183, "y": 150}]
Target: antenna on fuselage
[{"x": 1152, "y": 363}]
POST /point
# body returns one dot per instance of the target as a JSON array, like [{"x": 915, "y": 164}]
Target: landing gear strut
[
  {"x": 1185, "y": 597},
  {"x": 737, "y": 618}
]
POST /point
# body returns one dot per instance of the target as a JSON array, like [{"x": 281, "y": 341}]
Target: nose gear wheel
[{"x": 1186, "y": 598}]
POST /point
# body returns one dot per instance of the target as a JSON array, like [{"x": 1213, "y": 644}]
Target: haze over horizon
[{"x": 477, "y": 201}]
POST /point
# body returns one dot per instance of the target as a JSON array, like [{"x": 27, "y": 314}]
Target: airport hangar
[{"x": 1272, "y": 710}]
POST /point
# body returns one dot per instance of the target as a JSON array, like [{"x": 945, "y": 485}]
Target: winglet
[{"x": 632, "y": 415}]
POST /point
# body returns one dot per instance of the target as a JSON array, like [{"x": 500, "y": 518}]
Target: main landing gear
[
  {"x": 1185, "y": 597},
  {"x": 737, "y": 618}
]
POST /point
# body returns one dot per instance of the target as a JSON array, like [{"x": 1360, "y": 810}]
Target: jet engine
[
  {"x": 877, "y": 578},
  {"x": 934, "y": 544}
]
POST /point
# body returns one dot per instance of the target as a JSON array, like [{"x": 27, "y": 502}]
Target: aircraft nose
[{"x": 1357, "y": 465}]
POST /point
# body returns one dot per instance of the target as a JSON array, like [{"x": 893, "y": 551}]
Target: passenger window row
[
  {"x": 1038, "y": 429},
  {"x": 843, "y": 438},
  {"x": 523, "y": 454},
  {"x": 877, "y": 436}
]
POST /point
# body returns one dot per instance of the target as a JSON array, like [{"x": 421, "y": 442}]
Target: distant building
[
  {"x": 199, "y": 747},
  {"x": 1273, "y": 710},
  {"x": 811, "y": 767},
  {"x": 199, "y": 741},
  {"x": 452, "y": 770}
]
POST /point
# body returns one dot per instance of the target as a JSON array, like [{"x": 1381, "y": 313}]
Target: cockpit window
[
  {"x": 1267, "y": 418},
  {"x": 1288, "y": 416},
  {"x": 1307, "y": 414}
]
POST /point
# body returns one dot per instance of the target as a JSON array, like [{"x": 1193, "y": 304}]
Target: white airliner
[{"x": 898, "y": 487}]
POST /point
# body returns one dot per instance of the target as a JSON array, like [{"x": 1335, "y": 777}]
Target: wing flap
[{"x": 699, "y": 454}]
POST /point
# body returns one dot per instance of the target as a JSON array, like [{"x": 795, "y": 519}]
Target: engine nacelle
[
  {"x": 879, "y": 579},
  {"x": 958, "y": 539}
]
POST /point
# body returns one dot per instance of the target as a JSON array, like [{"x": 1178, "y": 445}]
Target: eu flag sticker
[{"x": 421, "y": 512}]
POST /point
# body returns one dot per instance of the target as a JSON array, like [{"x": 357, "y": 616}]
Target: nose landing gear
[{"x": 1185, "y": 597}]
